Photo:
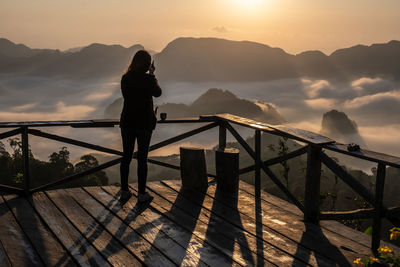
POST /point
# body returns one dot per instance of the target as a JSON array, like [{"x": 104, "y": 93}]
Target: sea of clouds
[{"x": 373, "y": 103}]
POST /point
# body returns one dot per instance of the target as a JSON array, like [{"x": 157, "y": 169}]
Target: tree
[
  {"x": 43, "y": 172},
  {"x": 87, "y": 162},
  {"x": 60, "y": 162}
]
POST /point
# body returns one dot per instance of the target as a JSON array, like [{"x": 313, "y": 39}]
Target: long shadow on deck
[
  {"x": 230, "y": 223},
  {"x": 259, "y": 224},
  {"x": 181, "y": 203},
  {"x": 6, "y": 209},
  {"x": 28, "y": 218},
  {"x": 124, "y": 233},
  {"x": 331, "y": 251}
]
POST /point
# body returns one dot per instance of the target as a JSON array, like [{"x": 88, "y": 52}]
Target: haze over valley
[{"x": 361, "y": 81}]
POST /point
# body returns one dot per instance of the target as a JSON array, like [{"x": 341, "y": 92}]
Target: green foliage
[
  {"x": 42, "y": 172},
  {"x": 18, "y": 178},
  {"x": 282, "y": 151},
  {"x": 368, "y": 231}
]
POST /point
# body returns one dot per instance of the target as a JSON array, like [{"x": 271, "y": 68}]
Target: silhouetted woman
[{"x": 137, "y": 119}]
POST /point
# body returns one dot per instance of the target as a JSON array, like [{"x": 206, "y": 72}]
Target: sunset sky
[{"x": 293, "y": 25}]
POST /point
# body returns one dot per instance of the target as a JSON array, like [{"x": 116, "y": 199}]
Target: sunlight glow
[
  {"x": 250, "y": 4},
  {"x": 252, "y": 9}
]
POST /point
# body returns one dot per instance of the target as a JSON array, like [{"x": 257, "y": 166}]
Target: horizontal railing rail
[{"x": 314, "y": 147}]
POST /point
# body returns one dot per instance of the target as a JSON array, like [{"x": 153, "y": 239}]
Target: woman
[{"x": 137, "y": 119}]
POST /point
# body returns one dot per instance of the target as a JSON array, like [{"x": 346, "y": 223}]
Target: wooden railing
[{"x": 315, "y": 146}]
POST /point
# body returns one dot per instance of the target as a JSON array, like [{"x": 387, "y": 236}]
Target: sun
[{"x": 251, "y": 5}]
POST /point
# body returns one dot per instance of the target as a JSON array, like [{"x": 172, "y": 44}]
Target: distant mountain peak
[
  {"x": 201, "y": 42},
  {"x": 214, "y": 95},
  {"x": 136, "y": 46},
  {"x": 11, "y": 49},
  {"x": 312, "y": 53},
  {"x": 339, "y": 126},
  {"x": 337, "y": 122},
  {"x": 211, "y": 102},
  {"x": 100, "y": 47}
]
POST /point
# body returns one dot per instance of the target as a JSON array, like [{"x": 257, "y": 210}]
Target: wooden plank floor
[{"x": 91, "y": 227}]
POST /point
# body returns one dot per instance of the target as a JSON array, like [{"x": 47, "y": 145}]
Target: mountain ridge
[
  {"x": 213, "y": 101},
  {"x": 206, "y": 59}
]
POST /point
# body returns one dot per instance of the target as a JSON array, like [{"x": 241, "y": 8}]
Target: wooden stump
[
  {"x": 193, "y": 169},
  {"x": 227, "y": 167}
]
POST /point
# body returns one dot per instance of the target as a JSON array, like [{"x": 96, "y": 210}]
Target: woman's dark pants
[{"x": 129, "y": 135}]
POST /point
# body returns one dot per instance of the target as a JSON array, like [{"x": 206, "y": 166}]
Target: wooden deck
[{"x": 90, "y": 227}]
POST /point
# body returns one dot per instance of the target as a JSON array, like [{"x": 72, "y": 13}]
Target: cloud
[
  {"x": 98, "y": 96},
  {"x": 360, "y": 83},
  {"x": 24, "y": 107},
  {"x": 321, "y": 103},
  {"x": 313, "y": 126},
  {"x": 314, "y": 88},
  {"x": 60, "y": 112},
  {"x": 220, "y": 29},
  {"x": 375, "y": 109},
  {"x": 370, "y": 99},
  {"x": 386, "y": 140},
  {"x": 368, "y": 86}
]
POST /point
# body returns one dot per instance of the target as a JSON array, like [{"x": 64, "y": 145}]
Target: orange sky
[{"x": 290, "y": 24}]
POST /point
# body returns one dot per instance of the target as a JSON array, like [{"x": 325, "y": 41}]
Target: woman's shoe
[
  {"x": 125, "y": 194},
  {"x": 145, "y": 197}
]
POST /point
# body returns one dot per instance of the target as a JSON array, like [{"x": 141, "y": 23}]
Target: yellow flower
[
  {"x": 395, "y": 233},
  {"x": 384, "y": 250},
  {"x": 372, "y": 260},
  {"x": 358, "y": 261}
]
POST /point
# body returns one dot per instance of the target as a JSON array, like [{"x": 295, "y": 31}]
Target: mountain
[
  {"x": 340, "y": 127},
  {"x": 211, "y": 102},
  {"x": 12, "y": 50},
  {"x": 377, "y": 59},
  {"x": 194, "y": 59},
  {"x": 93, "y": 61},
  {"x": 205, "y": 59}
]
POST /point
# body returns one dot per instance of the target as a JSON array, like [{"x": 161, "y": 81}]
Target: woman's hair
[{"x": 141, "y": 62}]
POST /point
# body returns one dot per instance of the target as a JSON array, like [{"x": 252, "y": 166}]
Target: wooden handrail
[
  {"x": 277, "y": 160},
  {"x": 315, "y": 143}
]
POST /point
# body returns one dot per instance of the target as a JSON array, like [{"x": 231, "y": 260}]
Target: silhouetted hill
[
  {"x": 197, "y": 59},
  {"x": 377, "y": 59},
  {"x": 93, "y": 61},
  {"x": 336, "y": 122},
  {"x": 211, "y": 102},
  {"x": 206, "y": 59},
  {"x": 315, "y": 64},
  {"x": 12, "y": 50},
  {"x": 18, "y": 58},
  {"x": 340, "y": 127}
]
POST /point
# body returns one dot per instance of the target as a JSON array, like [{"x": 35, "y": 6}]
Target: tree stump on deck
[
  {"x": 227, "y": 168},
  {"x": 193, "y": 169}
]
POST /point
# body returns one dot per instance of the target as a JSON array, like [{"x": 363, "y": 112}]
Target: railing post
[
  {"x": 222, "y": 136},
  {"x": 379, "y": 187},
  {"x": 257, "y": 150},
  {"x": 25, "y": 155},
  {"x": 313, "y": 181}
]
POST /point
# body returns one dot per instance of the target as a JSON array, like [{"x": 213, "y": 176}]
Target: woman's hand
[{"x": 152, "y": 68}]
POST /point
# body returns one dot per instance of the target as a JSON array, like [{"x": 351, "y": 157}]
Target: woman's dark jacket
[{"x": 138, "y": 90}]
